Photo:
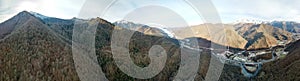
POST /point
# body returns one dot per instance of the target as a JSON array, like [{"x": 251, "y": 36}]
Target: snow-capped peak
[
  {"x": 38, "y": 15},
  {"x": 162, "y": 28},
  {"x": 134, "y": 26},
  {"x": 123, "y": 21},
  {"x": 166, "y": 31},
  {"x": 250, "y": 20}
]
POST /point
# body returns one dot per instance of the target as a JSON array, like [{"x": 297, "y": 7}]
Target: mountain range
[
  {"x": 142, "y": 28},
  {"x": 226, "y": 36},
  {"x": 290, "y": 26},
  {"x": 37, "y": 47},
  {"x": 249, "y": 36},
  {"x": 262, "y": 35}
]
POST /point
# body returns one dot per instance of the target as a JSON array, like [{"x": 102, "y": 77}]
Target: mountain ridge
[{"x": 34, "y": 50}]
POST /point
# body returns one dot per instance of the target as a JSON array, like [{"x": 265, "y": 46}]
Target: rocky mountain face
[
  {"x": 241, "y": 35},
  {"x": 290, "y": 26},
  {"x": 262, "y": 35},
  {"x": 226, "y": 36}
]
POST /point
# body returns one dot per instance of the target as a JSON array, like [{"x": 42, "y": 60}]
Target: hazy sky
[{"x": 229, "y": 10}]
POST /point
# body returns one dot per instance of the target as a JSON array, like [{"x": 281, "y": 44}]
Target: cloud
[
  {"x": 265, "y": 9},
  {"x": 123, "y": 7},
  {"x": 53, "y": 8}
]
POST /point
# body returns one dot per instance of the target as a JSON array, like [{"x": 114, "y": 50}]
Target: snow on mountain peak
[
  {"x": 162, "y": 28},
  {"x": 132, "y": 25},
  {"x": 251, "y": 20},
  {"x": 122, "y": 21},
  {"x": 38, "y": 15}
]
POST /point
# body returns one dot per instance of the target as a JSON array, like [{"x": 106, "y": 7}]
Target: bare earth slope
[
  {"x": 212, "y": 33},
  {"x": 262, "y": 35}
]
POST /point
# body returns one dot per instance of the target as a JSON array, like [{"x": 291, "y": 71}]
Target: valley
[{"x": 40, "y": 46}]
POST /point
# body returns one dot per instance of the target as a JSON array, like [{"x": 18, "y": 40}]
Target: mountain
[
  {"x": 290, "y": 26},
  {"x": 32, "y": 51},
  {"x": 8, "y": 26},
  {"x": 226, "y": 36},
  {"x": 129, "y": 25},
  {"x": 37, "y": 47},
  {"x": 249, "y": 36},
  {"x": 249, "y": 20},
  {"x": 286, "y": 68},
  {"x": 262, "y": 35},
  {"x": 64, "y": 27},
  {"x": 41, "y": 48},
  {"x": 144, "y": 28},
  {"x": 38, "y": 15}
]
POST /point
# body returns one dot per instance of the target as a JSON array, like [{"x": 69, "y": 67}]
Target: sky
[{"x": 228, "y": 10}]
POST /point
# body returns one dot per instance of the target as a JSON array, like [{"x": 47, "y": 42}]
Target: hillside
[
  {"x": 290, "y": 26},
  {"x": 34, "y": 52},
  {"x": 35, "y": 48},
  {"x": 140, "y": 28},
  {"x": 262, "y": 35},
  {"x": 242, "y": 35},
  {"x": 226, "y": 36},
  {"x": 7, "y": 27},
  {"x": 286, "y": 68},
  {"x": 40, "y": 49}
]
